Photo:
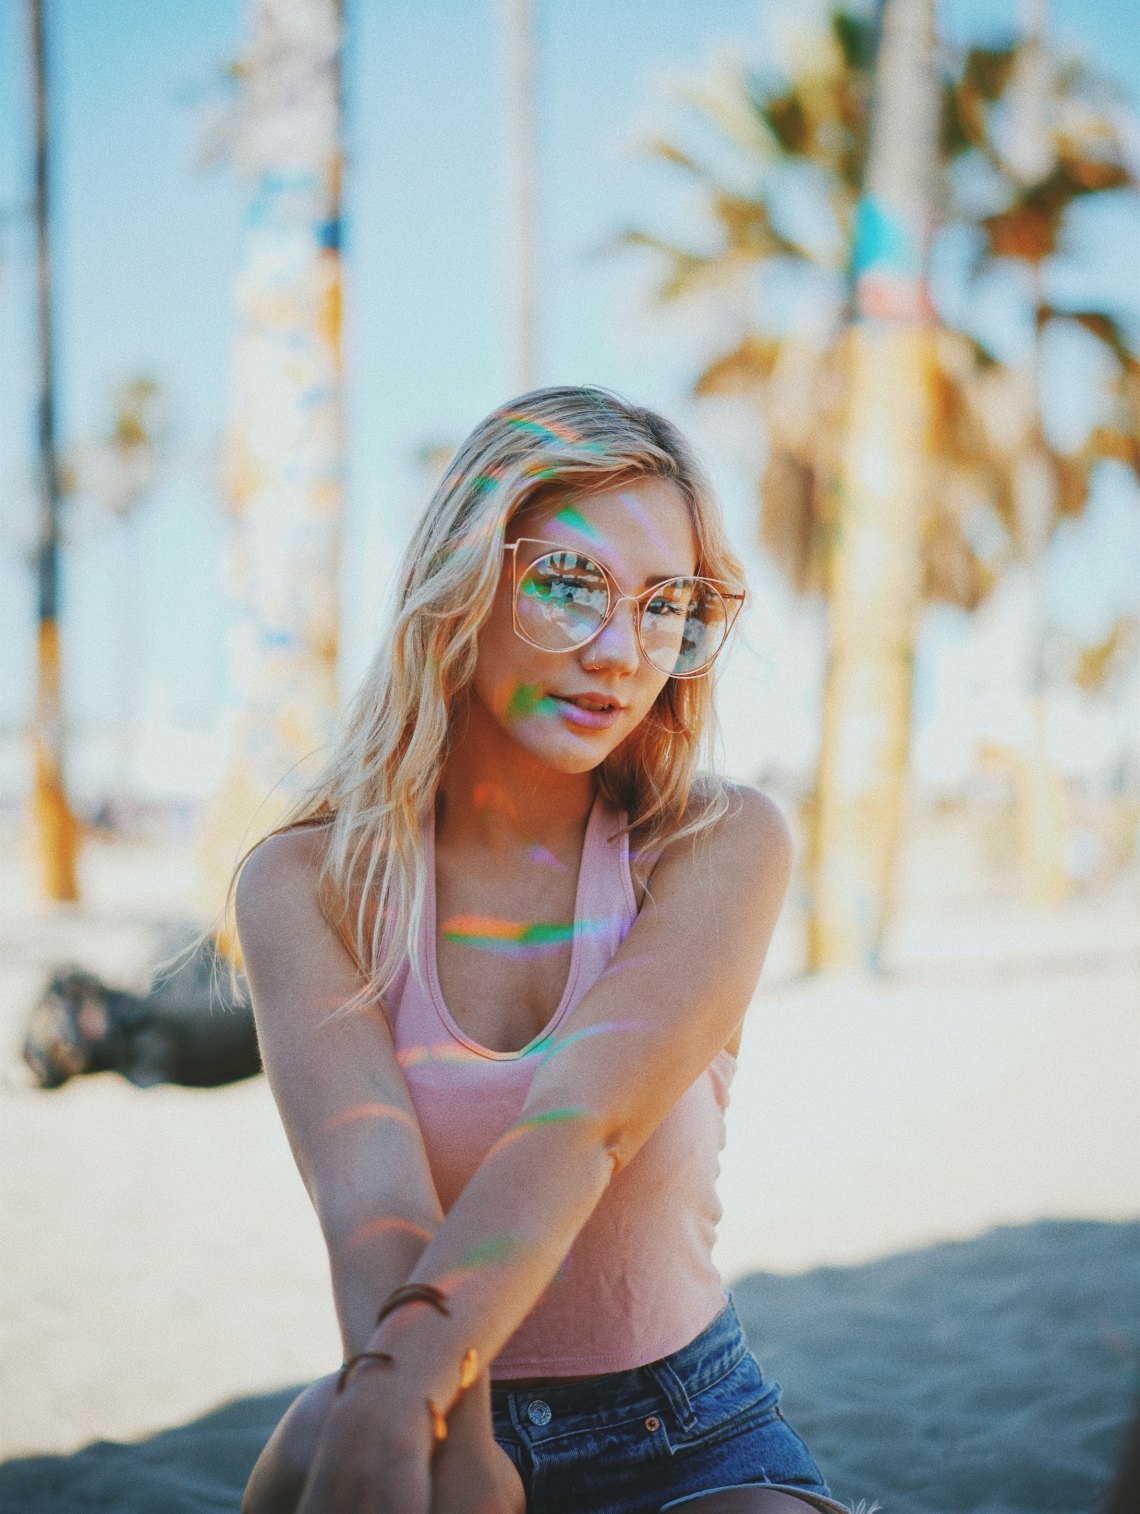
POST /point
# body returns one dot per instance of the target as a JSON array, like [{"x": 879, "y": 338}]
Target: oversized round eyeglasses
[{"x": 562, "y": 599}]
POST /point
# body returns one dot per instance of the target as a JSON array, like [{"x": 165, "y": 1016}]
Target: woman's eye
[{"x": 666, "y": 608}]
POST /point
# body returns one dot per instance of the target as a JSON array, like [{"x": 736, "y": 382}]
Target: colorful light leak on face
[
  {"x": 526, "y": 700},
  {"x": 574, "y": 521}
]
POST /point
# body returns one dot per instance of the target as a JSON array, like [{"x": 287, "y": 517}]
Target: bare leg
[
  {"x": 746, "y": 1501},
  {"x": 278, "y": 1477}
]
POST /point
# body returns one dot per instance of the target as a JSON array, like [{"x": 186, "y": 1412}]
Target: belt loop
[{"x": 674, "y": 1390}]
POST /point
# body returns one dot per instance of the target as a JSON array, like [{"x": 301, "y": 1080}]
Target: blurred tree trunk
[
  {"x": 1041, "y": 801},
  {"x": 517, "y": 21},
  {"x": 285, "y": 447},
  {"x": 874, "y": 556},
  {"x": 55, "y": 829}
]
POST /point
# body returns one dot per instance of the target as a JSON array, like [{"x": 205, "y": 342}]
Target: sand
[{"x": 164, "y": 1288}]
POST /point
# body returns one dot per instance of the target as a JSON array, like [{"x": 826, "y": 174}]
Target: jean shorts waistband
[{"x": 681, "y": 1375}]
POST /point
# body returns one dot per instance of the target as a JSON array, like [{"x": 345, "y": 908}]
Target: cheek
[
  {"x": 508, "y": 674},
  {"x": 650, "y": 696}
]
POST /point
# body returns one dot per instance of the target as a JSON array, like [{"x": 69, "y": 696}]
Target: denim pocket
[{"x": 743, "y": 1393}]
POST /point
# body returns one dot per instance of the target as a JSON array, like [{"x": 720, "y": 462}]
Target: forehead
[{"x": 643, "y": 527}]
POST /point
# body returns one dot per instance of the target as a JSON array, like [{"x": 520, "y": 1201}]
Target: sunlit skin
[
  {"x": 383, "y": 1225},
  {"x": 510, "y": 730}
]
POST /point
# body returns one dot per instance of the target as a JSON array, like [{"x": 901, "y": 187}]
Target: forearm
[
  {"x": 495, "y": 1254},
  {"x": 367, "y": 1260}
]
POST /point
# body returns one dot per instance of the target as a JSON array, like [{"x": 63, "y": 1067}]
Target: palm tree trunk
[
  {"x": 517, "y": 21},
  {"x": 55, "y": 829},
  {"x": 874, "y": 559},
  {"x": 285, "y": 464},
  {"x": 1041, "y": 799}
]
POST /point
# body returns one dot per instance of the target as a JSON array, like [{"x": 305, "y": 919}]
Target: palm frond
[
  {"x": 747, "y": 367},
  {"x": 685, "y": 268},
  {"x": 1112, "y": 442},
  {"x": 858, "y": 39},
  {"x": 787, "y": 119},
  {"x": 1104, "y": 327},
  {"x": 988, "y": 70},
  {"x": 749, "y": 230},
  {"x": 953, "y": 573},
  {"x": 1071, "y": 480},
  {"x": 1097, "y": 664}
]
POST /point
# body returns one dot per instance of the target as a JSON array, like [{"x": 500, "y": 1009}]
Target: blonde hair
[{"x": 382, "y": 773}]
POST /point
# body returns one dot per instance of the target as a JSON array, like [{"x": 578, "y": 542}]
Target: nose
[{"x": 616, "y": 645}]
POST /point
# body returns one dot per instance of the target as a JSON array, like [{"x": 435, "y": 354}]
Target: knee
[{"x": 278, "y": 1477}]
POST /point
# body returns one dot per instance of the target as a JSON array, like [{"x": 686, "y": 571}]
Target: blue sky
[{"x": 148, "y": 244}]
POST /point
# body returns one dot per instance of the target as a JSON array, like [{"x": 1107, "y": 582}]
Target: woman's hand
[
  {"x": 471, "y": 1473},
  {"x": 374, "y": 1453}
]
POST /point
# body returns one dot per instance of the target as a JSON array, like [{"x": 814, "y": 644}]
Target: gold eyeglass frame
[{"x": 614, "y": 598}]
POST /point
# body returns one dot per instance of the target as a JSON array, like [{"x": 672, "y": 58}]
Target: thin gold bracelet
[
  {"x": 362, "y": 1356},
  {"x": 409, "y": 1293}
]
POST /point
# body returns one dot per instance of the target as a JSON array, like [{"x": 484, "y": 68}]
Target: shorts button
[
  {"x": 539, "y": 1412},
  {"x": 653, "y": 1423}
]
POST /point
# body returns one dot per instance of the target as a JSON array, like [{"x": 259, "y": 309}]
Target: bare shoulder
[
  {"x": 281, "y": 924},
  {"x": 747, "y": 840},
  {"x": 282, "y": 869}
]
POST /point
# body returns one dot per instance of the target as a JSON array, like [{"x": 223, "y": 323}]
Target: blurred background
[{"x": 263, "y": 265}]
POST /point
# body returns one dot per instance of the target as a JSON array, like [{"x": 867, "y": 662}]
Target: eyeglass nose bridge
[{"x": 611, "y": 613}]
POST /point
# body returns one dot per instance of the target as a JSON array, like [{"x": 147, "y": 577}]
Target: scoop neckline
[{"x": 432, "y": 965}]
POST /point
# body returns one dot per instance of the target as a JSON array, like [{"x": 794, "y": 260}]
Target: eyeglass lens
[{"x": 563, "y": 597}]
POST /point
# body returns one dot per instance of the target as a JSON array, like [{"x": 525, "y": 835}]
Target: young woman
[{"x": 499, "y": 958}]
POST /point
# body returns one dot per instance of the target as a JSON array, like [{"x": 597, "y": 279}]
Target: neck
[{"x": 494, "y": 794}]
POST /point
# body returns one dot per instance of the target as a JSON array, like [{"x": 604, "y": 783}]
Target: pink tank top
[{"x": 639, "y": 1281}]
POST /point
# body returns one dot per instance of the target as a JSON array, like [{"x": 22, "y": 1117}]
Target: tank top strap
[{"x": 607, "y": 906}]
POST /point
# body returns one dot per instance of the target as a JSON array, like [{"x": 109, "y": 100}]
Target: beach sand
[{"x": 165, "y": 1290}]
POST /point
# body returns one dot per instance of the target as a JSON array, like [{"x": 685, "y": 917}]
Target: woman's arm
[
  {"x": 338, "y": 1087},
  {"x": 352, "y": 1128},
  {"x": 669, "y": 1001}
]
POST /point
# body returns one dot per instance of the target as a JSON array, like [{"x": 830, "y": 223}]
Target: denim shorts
[{"x": 637, "y": 1442}]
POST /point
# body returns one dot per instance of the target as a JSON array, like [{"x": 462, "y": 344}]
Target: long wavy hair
[{"x": 382, "y": 772}]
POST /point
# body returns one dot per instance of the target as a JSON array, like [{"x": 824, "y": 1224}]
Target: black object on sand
[{"x": 185, "y": 1029}]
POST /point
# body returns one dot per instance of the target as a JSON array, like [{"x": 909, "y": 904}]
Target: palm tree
[
  {"x": 873, "y": 566},
  {"x": 285, "y": 455},
  {"x": 56, "y": 828},
  {"x": 782, "y": 166}
]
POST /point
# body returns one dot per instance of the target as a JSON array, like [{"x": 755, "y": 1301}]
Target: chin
[{"x": 568, "y": 755}]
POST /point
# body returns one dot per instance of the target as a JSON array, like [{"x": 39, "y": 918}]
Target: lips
[
  {"x": 590, "y": 711},
  {"x": 590, "y": 701}
]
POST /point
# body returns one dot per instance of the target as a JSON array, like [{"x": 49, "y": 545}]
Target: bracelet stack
[{"x": 409, "y": 1293}]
